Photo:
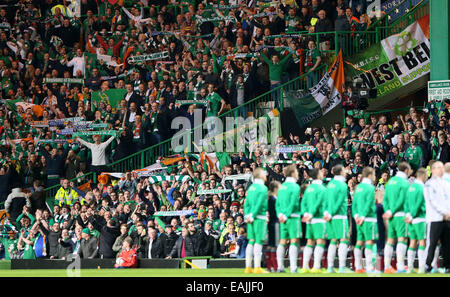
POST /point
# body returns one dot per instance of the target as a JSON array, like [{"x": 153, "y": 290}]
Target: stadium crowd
[{"x": 214, "y": 53}]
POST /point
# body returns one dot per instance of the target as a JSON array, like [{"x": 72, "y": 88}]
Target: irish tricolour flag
[{"x": 322, "y": 98}]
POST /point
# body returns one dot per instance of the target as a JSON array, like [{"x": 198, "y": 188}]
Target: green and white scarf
[
  {"x": 295, "y": 148},
  {"x": 159, "y": 178},
  {"x": 216, "y": 19},
  {"x": 366, "y": 142},
  {"x": 213, "y": 191},
  {"x": 90, "y": 133},
  {"x": 148, "y": 57}
]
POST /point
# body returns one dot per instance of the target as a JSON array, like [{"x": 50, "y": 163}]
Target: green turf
[{"x": 222, "y": 272}]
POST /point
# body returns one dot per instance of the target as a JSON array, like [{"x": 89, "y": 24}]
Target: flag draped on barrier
[{"x": 322, "y": 98}]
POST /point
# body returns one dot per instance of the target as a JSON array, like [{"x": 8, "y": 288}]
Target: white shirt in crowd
[
  {"x": 98, "y": 151},
  {"x": 132, "y": 116},
  {"x": 128, "y": 96},
  {"x": 150, "y": 243},
  {"x": 78, "y": 64}
]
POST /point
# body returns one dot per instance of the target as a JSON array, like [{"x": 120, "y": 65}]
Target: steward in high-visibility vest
[{"x": 66, "y": 196}]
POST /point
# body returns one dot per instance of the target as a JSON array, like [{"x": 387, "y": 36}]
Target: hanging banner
[
  {"x": 397, "y": 8},
  {"x": 396, "y": 61}
]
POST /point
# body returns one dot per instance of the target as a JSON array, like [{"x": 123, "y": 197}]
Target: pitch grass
[{"x": 215, "y": 272}]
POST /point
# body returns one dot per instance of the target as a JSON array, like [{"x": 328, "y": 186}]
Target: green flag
[
  {"x": 112, "y": 97},
  {"x": 305, "y": 108}
]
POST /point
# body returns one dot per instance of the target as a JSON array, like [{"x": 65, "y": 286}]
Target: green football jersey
[
  {"x": 395, "y": 194},
  {"x": 28, "y": 252},
  {"x": 363, "y": 204},
  {"x": 10, "y": 246},
  {"x": 415, "y": 201},
  {"x": 414, "y": 157},
  {"x": 255, "y": 205},
  {"x": 336, "y": 197},
  {"x": 313, "y": 201},
  {"x": 288, "y": 199}
]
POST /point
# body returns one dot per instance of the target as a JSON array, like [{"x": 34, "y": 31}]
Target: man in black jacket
[
  {"x": 247, "y": 81},
  {"x": 198, "y": 237},
  {"x": 154, "y": 246},
  {"x": 55, "y": 164},
  {"x": 37, "y": 197},
  {"x": 132, "y": 96},
  {"x": 184, "y": 246},
  {"x": 168, "y": 240},
  {"x": 108, "y": 234},
  {"x": 323, "y": 25},
  {"x": 212, "y": 240},
  {"x": 53, "y": 236}
]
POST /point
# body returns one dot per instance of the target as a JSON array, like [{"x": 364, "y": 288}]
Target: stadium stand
[{"x": 90, "y": 89}]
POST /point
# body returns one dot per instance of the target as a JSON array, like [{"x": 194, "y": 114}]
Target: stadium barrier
[{"x": 90, "y": 263}]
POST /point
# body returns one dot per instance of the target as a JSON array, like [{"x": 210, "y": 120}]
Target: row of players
[{"x": 324, "y": 210}]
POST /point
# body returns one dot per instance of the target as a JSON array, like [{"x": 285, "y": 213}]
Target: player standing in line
[
  {"x": 312, "y": 209},
  {"x": 288, "y": 212},
  {"x": 393, "y": 204},
  {"x": 255, "y": 210},
  {"x": 415, "y": 218},
  {"x": 336, "y": 217},
  {"x": 365, "y": 213}
]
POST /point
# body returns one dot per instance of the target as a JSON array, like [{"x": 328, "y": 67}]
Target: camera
[{"x": 362, "y": 94}]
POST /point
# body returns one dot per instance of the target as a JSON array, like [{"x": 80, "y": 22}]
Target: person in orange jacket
[{"x": 128, "y": 256}]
